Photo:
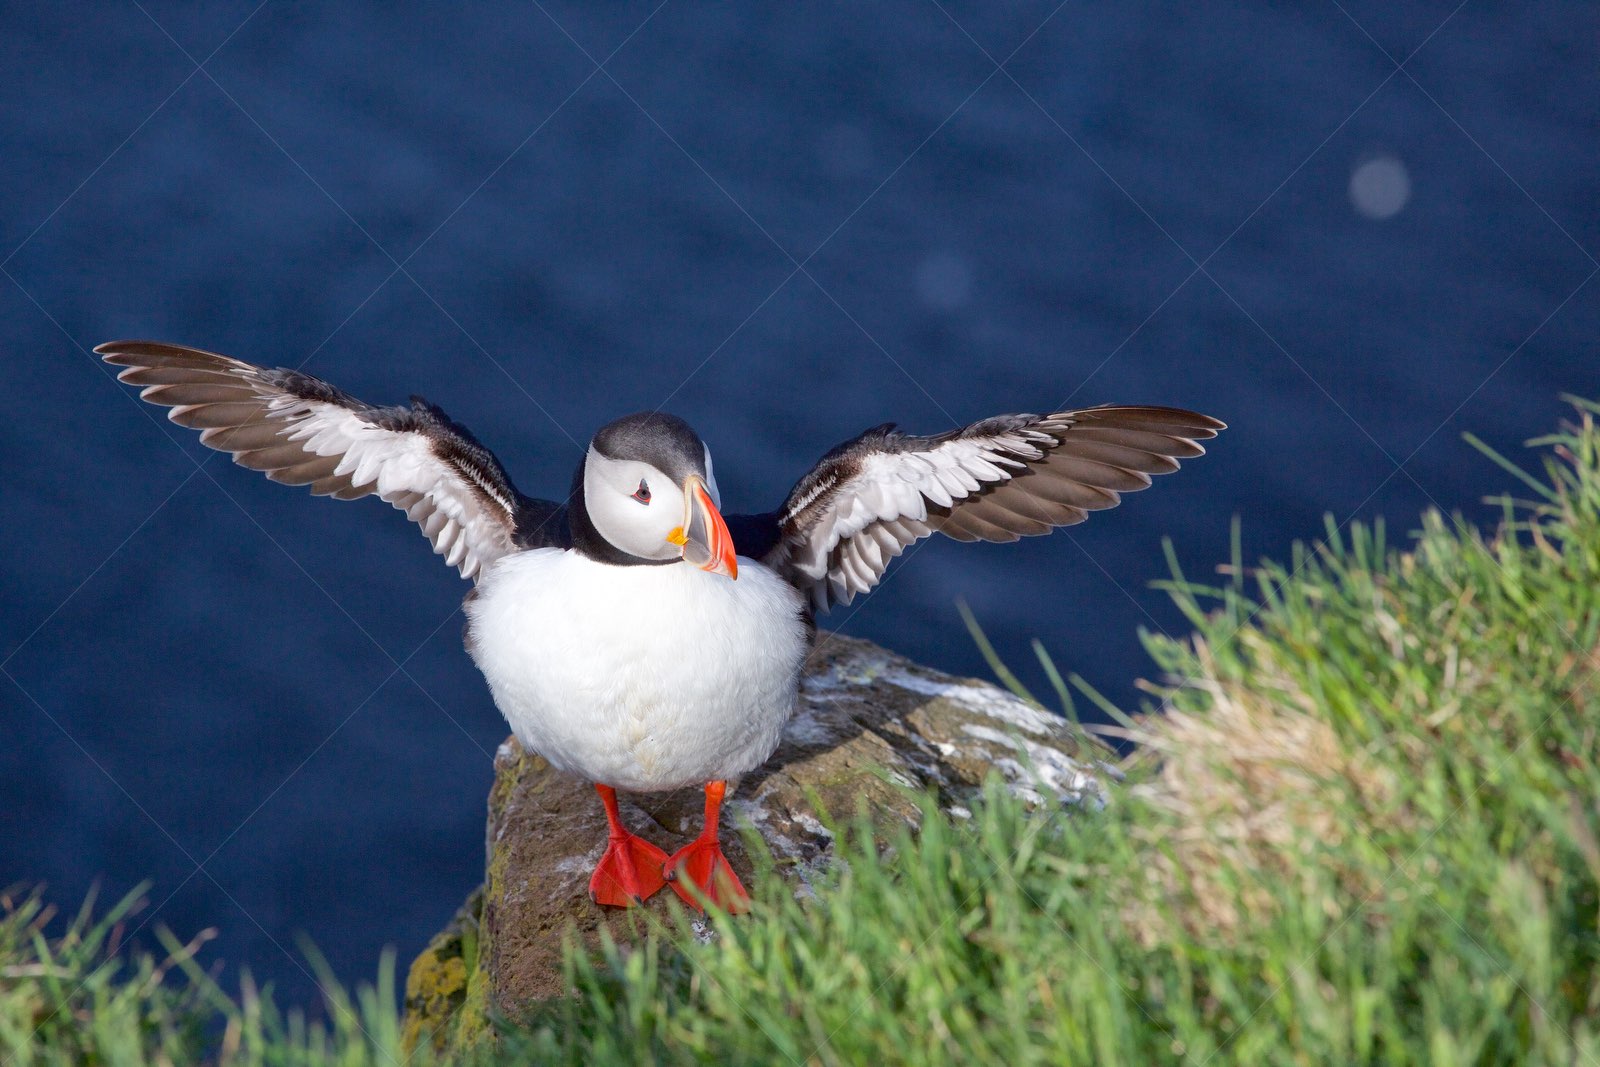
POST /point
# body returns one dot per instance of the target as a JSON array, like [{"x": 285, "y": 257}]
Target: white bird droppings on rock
[
  {"x": 806, "y": 728},
  {"x": 984, "y": 699}
]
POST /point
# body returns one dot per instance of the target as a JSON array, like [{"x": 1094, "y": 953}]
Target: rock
[{"x": 869, "y": 723}]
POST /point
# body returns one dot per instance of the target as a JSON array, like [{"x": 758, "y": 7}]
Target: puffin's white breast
[{"x": 642, "y": 678}]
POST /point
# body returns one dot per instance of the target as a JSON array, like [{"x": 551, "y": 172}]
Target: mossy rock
[
  {"x": 869, "y": 723},
  {"x": 439, "y": 983}
]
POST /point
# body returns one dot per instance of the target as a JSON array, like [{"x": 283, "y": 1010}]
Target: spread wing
[
  {"x": 997, "y": 480},
  {"x": 300, "y": 430}
]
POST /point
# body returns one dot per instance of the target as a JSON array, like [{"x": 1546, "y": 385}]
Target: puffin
[{"x": 631, "y": 633}]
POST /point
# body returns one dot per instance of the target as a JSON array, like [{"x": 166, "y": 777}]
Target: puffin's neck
[{"x": 586, "y": 540}]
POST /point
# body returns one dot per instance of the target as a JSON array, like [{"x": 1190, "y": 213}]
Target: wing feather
[
  {"x": 300, "y": 430},
  {"x": 996, "y": 480}
]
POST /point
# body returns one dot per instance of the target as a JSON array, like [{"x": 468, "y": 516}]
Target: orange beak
[{"x": 706, "y": 541}]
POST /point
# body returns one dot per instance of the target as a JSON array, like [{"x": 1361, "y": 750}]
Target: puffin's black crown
[{"x": 664, "y": 441}]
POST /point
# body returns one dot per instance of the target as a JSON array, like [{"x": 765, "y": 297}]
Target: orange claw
[
  {"x": 631, "y": 870},
  {"x": 699, "y": 871}
]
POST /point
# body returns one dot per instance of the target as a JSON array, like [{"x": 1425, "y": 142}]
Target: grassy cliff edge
[{"x": 1363, "y": 829}]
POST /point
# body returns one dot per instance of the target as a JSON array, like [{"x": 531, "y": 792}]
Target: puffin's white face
[{"x": 640, "y": 509}]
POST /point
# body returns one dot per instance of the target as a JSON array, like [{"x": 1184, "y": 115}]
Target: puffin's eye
[{"x": 642, "y": 494}]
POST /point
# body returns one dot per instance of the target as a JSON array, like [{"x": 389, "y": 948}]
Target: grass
[
  {"x": 1363, "y": 830},
  {"x": 81, "y": 997}
]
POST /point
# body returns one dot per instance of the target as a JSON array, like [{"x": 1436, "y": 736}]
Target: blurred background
[{"x": 1352, "y": 232}]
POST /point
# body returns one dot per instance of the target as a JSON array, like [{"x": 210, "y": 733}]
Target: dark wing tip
[
  {"x": 153, "y": 353},
  {"x": 124, "y": 351},
  {"x": 131, "y": 353},
  {"x": 130, "y": 346},
  {"x": 1180, "y": 421}
]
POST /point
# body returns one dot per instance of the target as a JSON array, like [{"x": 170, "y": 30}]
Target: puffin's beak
[{"x": 705, "y": 538}]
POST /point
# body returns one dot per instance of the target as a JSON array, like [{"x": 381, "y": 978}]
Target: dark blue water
[{"x": 209, "y": 668}]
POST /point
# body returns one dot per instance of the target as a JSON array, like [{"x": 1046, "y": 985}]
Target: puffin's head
[{"x": 649, "y": 491}]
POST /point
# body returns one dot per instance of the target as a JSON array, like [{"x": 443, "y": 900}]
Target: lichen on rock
[
  {"x": 438, "y": 986},
  {"x": 869, "y": 724}
]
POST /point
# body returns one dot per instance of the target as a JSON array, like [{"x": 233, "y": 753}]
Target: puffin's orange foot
[
  {"x": 701, "y": 864},
  {"x": 628, "y": 874}
]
